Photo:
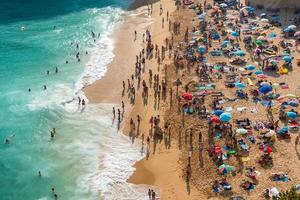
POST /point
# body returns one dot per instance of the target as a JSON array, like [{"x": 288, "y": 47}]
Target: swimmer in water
[
  {"x": 39, "y": 173},
  {"x": 45, "y": 87},
  {"x": 83, "y": 102},
  {"x": 48, "y": 72},
  {"x": 56, "y": 70},
  {"x": 67, "y": 62},
  {"x": 29, "y": 90}
]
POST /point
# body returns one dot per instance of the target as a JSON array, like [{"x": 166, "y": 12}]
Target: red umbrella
[
  {"x": 218, "y": 149},
  {"x": 215, "y": 119},
  {"x": 187, "y": 96},
  {"x": 266, "y": 149}
]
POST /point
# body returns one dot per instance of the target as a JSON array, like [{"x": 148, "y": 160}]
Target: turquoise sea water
[{"x": 83, "y": 160}]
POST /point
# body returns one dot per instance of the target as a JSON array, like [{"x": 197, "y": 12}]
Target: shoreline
[{"x": 147, "y": 172}]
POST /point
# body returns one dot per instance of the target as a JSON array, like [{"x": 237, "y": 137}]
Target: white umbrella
[
  {"x": 273, "y": 192},
  {"x": 292, "y": 27}
]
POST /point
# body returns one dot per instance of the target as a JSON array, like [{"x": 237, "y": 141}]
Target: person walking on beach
[
  {"x": 114, "y": 112},
  {"x": 135, "y": 35}
]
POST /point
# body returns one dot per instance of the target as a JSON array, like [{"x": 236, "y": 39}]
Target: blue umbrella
[
  {"x": 257, "y": 72},
  {"x": 218, "y": 112},
  {"x": 215, "y": 36},
  {"x": 240, "y": 53},
  {"x": 225, "y": 42},
  {"x": 250, "y": 67},
  {"x": 287, "y": 58},
  {"x": 272, "y": 35},
  {"x": 225, "y": 117},
  {"x": 283, "y": 130},
  {"x": 234, "y": 34},
  {"x": 240, "y": 85},
  {"x": 265, "y": 89},
  {"x": 293, "y": 103},
  {"x": 202, "y": 49},
  {"x": 223, "y": 5},
  {"x": 286, "y": 30},
  {"x": 291, "y": 114},
  {"x": 202, "y": 16}
]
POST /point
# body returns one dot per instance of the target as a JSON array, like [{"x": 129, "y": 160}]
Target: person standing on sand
[
  {"x": 149, "y": 194},
  {"x": 135, "y": 35},
  {"x": 114, "y": 112}
]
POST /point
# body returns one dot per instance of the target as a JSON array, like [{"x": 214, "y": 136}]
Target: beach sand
[{"x": 166, "y": 168}]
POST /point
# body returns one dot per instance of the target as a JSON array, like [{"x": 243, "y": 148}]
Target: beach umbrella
[
  {"x": 215, "y": 119},
  {"x": 257, "y": 72},
  {"x": 240, "y": 53},
  {"x": 223, "y": 5},
  {"x": 202, "y": 16},
  {"x": 270, "y": 133},
  {"x": 262, "y": 76},
  {"x": 215, "y": 36},
  {"x": 202, "y": 49},
  {"x": 241, "y": 131},
  {"x": 283, "y": 130},
  {"x": 265, "y": 89},
  {"x": 292, "y": 27},
  {"x": 187, "y": 96},
  {"x": 240, "y": 85},
  {"x": 287, "y": 58},
  {"x": 218, "y": 112},
  {"x": 234, "y": 34},
  {"x": 291, "y": 115},
  {"x": 273, "y": 193},
  {"x": 272, "y": 35},
  {"x": 293, "y": 103},
  {"x": 275, "y": 85},
  {"x": 286, "y": 30},
  {"x": 258, "y": 42},
  {"x": 262, "y": 38},
  {"x": 297, "y": 34},
  {"x": 263, "y": 15},
  {"x": 266, "y": 149},
  {"x": 225, "y": 117},
  {"x": 225, "y": 169},
  {"x": 225, "y": 42},
  {"x": 218, "y": 149},
  {"x": 250, "y": 67},
  {"x": 264, "y": 20}
]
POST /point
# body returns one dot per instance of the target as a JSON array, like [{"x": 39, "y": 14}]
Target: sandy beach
[{"x": 166, "y": 165}]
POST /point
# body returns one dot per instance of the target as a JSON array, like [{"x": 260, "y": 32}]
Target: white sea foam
[{"x": 106, "y": 156}]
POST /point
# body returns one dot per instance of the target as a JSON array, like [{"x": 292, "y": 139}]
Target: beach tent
[{"x": 225, "y": 117}]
